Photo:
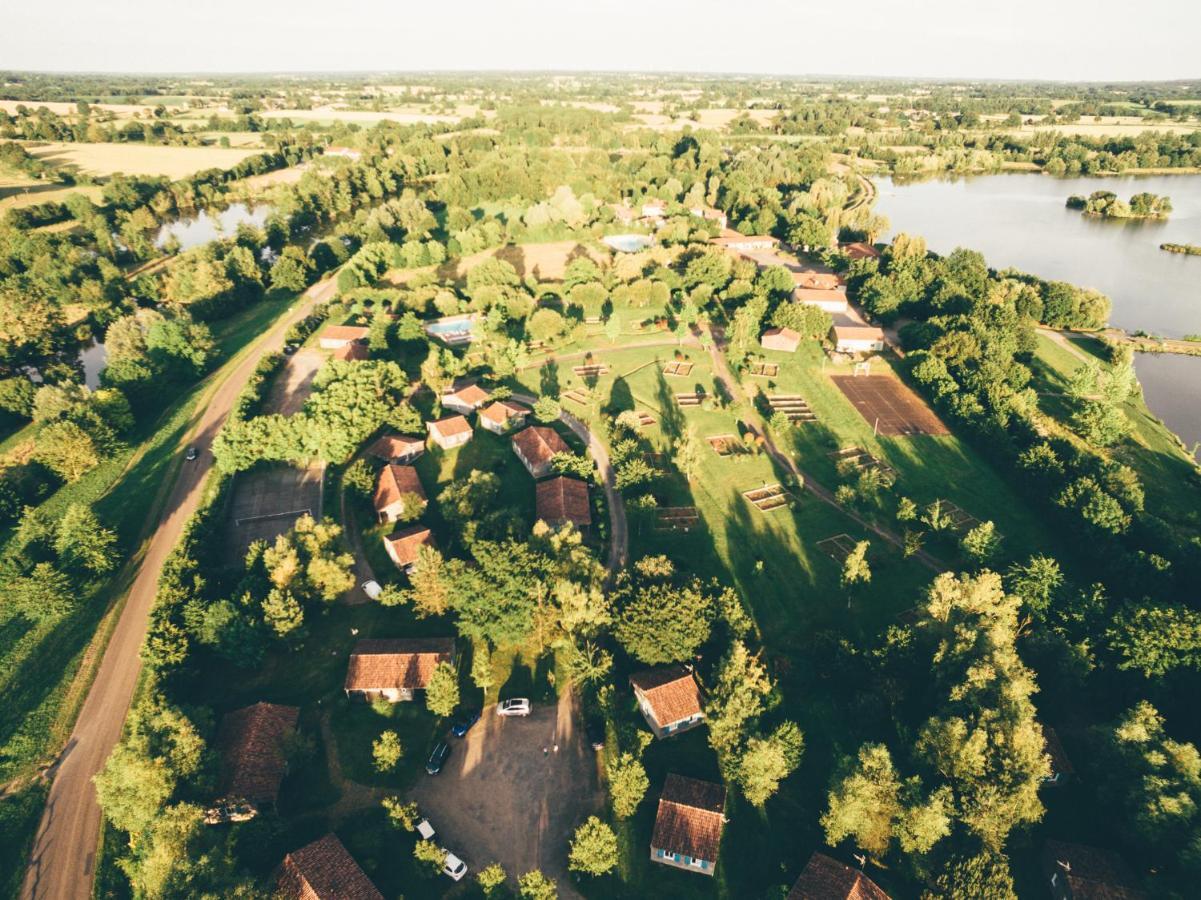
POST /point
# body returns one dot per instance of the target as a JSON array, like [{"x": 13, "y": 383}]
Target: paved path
[
  {"x": 62, "y": 863},
  {"x": 721, "y": 371}
]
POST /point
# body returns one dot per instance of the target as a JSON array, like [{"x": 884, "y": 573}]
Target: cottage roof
[
  {"x": 393, "y": 446},
  {"x": 819, "y": 295},
  {"x": 376, "y": 664},
  {"x": 858, "y": 333},
  {"x": 562, "y": 499},
  {"x": 323, "y": 870},
  {"x": 859, "y": 250},
  {"x": 811, "y": 280},
  {"x": 352, "y": 352},
  {"x": 671, "y": 692},
  {"x": 405, "y": 543},
  {"x": 470, "y": 394},
  {"x": 251, "y": 744},
  {"x": 451, "y": 426},
  {"x": 501, "y": 411},
  {"x": 394, "y": 482},
  {"x": 1091, "y": 873},
  {"x": 344, "y": 333},
  {"x": 690, "y": 817},
  {"x": 827, "y": 879},
  {"x": 539, "y": 443}
]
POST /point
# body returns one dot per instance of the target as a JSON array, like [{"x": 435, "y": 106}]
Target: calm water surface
[
  {"x": 203, "y": 227},
  {"x": 1020, "y": 220}
]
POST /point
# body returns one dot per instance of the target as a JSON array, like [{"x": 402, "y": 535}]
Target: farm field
[{"x": 135, "y": 159}]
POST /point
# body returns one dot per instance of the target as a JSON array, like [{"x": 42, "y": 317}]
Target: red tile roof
[
  {"x": 344, "y": 333},
  {"x": 859, "y": 250},
  {"x": 376, "y": 664},
  {"x": 816, "y": 280},
  {"x": 502, "y": 410},
  {"x": 394, "y": 482},
  {"x": 815, "y": 295},
  {"x": 780, "y": 339},
  {"x": 394, "y": 446},
  {"x": 538, "y": 444},
  {"x": 1091, "y": 873},
  {"x": 828, "y": 879},
  {"x": 404, "y": 544},
  {"x": 451, "y": 426},
  {"x": 323, "y": 870},
  {"x": 562, "y": 499},
  {"x": 858, "y": 333},
  {"x": 352, "y": 352},
  {"x": 690, "y": 818},
  {"x": 251, "y": 743},
  {"x": 671, "y": 693},
  {"x": 471, "y": 394}
]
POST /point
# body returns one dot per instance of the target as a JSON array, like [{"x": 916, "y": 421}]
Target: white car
[
  {"x": 426, "y": 830},
  {"x": 518, "y": 706},
  {"x": 454, "y": 867},
  {"x": 372, "y": 589}
]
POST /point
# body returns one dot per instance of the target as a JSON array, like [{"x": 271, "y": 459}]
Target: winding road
[{"x": 62, "y": 862}]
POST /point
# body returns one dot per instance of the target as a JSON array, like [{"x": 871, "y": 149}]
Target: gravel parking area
[{"x": 507, "y": 796}]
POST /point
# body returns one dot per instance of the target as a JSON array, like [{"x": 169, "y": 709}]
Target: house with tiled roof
[
  {"x": 689, "y": 824},
  {"x": 393, "y": 669},
  {"x": 857, "y": 338},
  {"x": 450, "y": 432},
  {"x": 824, "y": 878},
  {"x": 859, "y": 250},
  {"x": 560, "y": 500},
  {"x": 402, "y": 546},
  {"x": 396, "y": 488},
  {"x": 501, "y": 415},
  {"x": 323, "y": 870},
  {"x": 536, "y": 446},
  {"x": 1080, "y": 872},
  {"x": 252, "y": 746},
  {"x": 832, "y": 300},
  {"x": 466, "y": 399},
  {"x": 335, "y": 336},
  {"x": 783, "y": 339},
  {"x": 352, "y": 352},
  {"x": 733, "y": 240},
  {"x": 669, "y": 698},
  {"x": 809, "y": 279},
  {"x": 397, "y": 448},
  {"x": 710, "y": 214}
]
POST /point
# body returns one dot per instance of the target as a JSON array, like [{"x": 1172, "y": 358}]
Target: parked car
[
  {"x": 517, "y": 706},
  {"x": 191, "y": 454},
  {"x": 454, "y": 867},
  {"x": 289, "y": 349},
  {"x": 595, "y": 729},
  {"x": 464, "y": 722},
  {"x": 372, "y": 589},
  {"x": 426, "y": 830},
  {"x": 437, "y": 758}
]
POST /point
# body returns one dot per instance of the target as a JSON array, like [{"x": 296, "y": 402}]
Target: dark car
[
  {"x": 595, "y": 729},
  {"x": 289, "y": 349},
  {"x": 464, "y": 722},
  {"x": 437, "y": 758}
]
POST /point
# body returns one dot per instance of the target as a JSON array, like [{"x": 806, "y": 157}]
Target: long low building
[
  {"x": 394, "y": 669},
  {"x": 857, "y": 338},
  {"x": 832, "y": 301}
]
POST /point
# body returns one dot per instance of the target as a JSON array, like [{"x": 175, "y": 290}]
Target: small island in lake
[
  {"x": 1187, "y": 249},
  {"x": 1106, "y": 205}
]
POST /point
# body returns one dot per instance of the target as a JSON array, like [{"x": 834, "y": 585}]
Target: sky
[{"x": 1067, "y": 40}]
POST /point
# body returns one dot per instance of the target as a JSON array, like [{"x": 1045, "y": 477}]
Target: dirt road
[{"x": 62, "y": 863}]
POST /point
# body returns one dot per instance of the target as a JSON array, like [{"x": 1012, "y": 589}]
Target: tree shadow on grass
[
  {"x": 548, "y": 379},
  {"x": 671, "y": 419}
]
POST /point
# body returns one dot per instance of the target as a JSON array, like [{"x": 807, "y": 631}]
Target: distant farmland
[{"x": 137, "y": 159}]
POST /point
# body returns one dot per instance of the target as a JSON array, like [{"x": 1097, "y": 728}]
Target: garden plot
[
  {"x": 680, "y": 369},
  {"x": 676, "y": 518},
  {"x": 794, "y": 406},
  {"x": 769, "y": 498},
  {"x": 765, "y": 370},
  {"x": 889, "y": 406},
  {"x": 575, "y": 395},
  {"x": 838, "y": 547},
  {"x": 961, "y": 520},
  {"x": 693, "y": 399},
  {"x": 724, "y": 444},
  {"x": 645, "y": 419},
  {"x": 860, "y": 459},
  {"x": 595, "y": 370}
]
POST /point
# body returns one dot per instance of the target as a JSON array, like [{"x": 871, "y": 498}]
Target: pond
[
  {"x": 210, "y": 225},
  {"x": 628, "y": 243},
  {"x": 93, "y": 358},
  {"x": 1020, "y": 220}
]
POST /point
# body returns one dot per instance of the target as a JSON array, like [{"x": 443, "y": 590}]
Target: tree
[
  {"x": 1036, "y": 582},
  {"x": 1156, "y": 640},
  {"x": 386, "y": 751},
  {"x": 686, "y": 453},
  {"x": 67, "y": 450},
  {"x": 442, "y": 690},
  {"x": 982, "y": 543},
  {"x": 481, "y": 666},
  {"x": 663, "y": 623},
  {"x": 593, "y": 848},
  {"x": 132, "y": 788},
  {"x": 767, "y": 761},
  {"x": 547, "y": 409},
  {"x": 401, "y": 815},
  {"x": 430, "y": 858},
  {"x": 282, "y": 612},
  {"x": 82, "y": 542},
  {"x": 545, "y": 325},
  {"x": 534, "y": 885},
  {"x": 983, "y": 875},
  {"x": 44, "y": 593},
  {"x": 874, "y": 807},
  {"x": 738, "y": 697},
  {"x": 491, "y": 878},
  {"x": 627, "y": 785},
  {"x": 855, "y": 568},
  {"x": 430, "y": 589}
]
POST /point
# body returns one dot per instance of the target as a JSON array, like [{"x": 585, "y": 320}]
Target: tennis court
[{"x": 888, "y": 405}]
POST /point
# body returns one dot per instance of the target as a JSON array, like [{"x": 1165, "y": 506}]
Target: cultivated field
[
  {"x": 136, "y": 159},
  {"x": 403, "y": 115}
]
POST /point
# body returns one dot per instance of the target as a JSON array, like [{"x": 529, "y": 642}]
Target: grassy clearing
[{"x": 136, "y": 159}]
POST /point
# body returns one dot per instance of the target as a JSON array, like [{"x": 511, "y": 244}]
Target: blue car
[{"x": 464, "y": 723}]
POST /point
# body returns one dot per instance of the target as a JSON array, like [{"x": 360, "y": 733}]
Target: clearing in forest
[{"x": 136, "y": 159}]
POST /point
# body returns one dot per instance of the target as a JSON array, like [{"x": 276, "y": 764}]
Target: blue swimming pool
[
  {"x": 628, "y": 243},
  {"x": 452, "y": 329}
]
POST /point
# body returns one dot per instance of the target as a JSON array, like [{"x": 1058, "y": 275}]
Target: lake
[
  {"x": 1020, "y": 220},
  {"x": 210, "y": 225}
]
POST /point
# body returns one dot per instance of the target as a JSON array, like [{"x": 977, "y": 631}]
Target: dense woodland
[{"x": 937, "y": 781}]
